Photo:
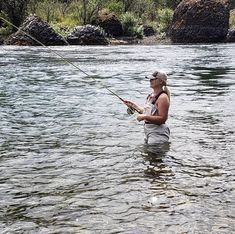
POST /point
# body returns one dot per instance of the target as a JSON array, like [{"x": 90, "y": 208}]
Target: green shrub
[
  {"x": 232, "y": 19},
  {"x": 5, "y": 29},
  {"x": 63, "y": 17},
  {"x": 116, "y": 7},
  {"x": 164, "y": 18},
  {"x": 131, "y": 24},
  {"x": 46, "y": 10},
  {"x": 138, "y": 32},
  {"x": 65, "y": 26}
]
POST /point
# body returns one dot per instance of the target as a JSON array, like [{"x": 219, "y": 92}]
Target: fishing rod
[{"x": 130, "y": 110}]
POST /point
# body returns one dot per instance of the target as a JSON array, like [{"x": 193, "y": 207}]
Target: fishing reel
[{"x": 130, "y": 111}]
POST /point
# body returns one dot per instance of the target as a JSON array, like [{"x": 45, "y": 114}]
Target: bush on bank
[
  {"x": 64, "y": 15},
  {"x": 232, "y": 19}
]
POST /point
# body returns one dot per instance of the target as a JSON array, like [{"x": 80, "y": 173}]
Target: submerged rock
[
  {"x": 87, "y": 35},
  {"x": 200, "y": 21},
  {"x": 39, "y": 29},
  {"x": 110, "y": 23}
]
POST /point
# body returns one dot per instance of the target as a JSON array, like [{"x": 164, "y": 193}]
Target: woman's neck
[{"x": 157, "y": 90}]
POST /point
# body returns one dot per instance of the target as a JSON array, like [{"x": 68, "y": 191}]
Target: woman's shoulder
[
  {"x": 163, "y": 94},
  {"x": 163, "y": 97}
]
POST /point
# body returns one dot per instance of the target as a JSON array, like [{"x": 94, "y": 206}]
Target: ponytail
[{"x": 165, "y": 88}]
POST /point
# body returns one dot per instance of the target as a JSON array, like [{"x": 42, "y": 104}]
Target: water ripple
[{"x": 73, "y": 161}]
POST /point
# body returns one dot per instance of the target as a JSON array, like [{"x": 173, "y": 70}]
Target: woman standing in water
[{"x": 155, "y": 111}]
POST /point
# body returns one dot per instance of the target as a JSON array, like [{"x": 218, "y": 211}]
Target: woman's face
[{"x": 154, "y": 82}]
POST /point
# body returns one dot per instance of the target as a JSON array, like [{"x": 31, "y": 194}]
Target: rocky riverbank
[
  {"x": 194, "y": 21},
  {"x": 81, "y": 35}
]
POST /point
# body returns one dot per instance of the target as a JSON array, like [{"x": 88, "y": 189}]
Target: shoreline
[
  {"x": 150, "y": 40},
  {"x": 124, "y": 40}
]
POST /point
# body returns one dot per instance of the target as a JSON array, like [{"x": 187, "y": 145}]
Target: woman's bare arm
[{"x": 163, "y": 107}]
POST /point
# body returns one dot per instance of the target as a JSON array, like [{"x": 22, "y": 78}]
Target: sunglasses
[{"x": 154, "y": 78}]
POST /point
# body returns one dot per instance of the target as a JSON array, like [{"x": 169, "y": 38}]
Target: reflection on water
[
  {"x": 154, "y": 156},
  {"x": 73, "y": 161},
  {"x": 212, "y": 81}
]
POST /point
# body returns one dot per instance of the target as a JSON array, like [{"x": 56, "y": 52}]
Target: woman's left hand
[{"x": 141, "y": 117}]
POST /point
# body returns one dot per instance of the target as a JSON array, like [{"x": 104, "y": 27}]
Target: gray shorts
[{"x": 156, "y": 134}]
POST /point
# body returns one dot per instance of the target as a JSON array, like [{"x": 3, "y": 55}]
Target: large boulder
[
  {"x": 87, "y": 35},
  {"x": 198, "y": 21},
  {"x": 148, "y": 31},
  {"x": 1, "y": 39},
  {"x": 38, "y": 29},
  {"x": 231, "y": 35},
  {"x": 110, "y": 23}
]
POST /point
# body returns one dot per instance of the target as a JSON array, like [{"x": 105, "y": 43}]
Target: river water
[{"x": 73, "y": 161}]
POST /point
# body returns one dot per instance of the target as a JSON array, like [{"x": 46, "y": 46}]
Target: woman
[{"x": 155, "y": 112}]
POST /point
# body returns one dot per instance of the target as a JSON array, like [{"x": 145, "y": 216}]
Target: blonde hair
[
  {"x": 166, "y": 89},
  {"x": 163, "y": 77}
]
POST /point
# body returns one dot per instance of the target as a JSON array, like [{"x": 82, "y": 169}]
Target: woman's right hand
[
  {"x": 130, "y": 104},
  {"x": 134, "y": 106}
]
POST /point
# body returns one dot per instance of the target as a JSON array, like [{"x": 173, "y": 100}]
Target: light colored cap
[{"x": 158, "y": 74}]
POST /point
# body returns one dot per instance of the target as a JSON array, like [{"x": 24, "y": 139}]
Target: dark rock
[
  {"x": 231, "y": 35},
  {"x": 38, "y": 29},
  {"x": 148, "y": 31},
  {"x": 110, "y": 23},
  {"x": 1, "y": 41},
  {"x": 198, "y": 21},
  {"x": 87, "y": 35}
]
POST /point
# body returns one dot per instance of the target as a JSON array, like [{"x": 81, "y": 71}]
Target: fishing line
[{"x": 129, "y": 110}]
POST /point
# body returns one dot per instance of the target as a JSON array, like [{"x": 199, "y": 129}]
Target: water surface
[{"x": 73, "y": 161}]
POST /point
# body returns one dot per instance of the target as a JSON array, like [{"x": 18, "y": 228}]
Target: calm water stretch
[{"x": 73, "y": 161}]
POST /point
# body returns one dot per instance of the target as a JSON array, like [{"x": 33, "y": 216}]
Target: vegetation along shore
[{"x": 102, "y": 22}]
